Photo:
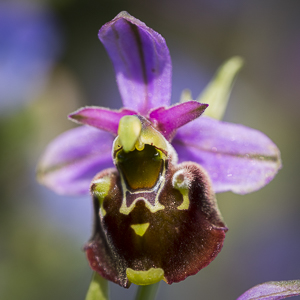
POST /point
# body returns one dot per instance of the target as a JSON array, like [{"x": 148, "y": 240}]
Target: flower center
[{"x": 141, "y": 169}]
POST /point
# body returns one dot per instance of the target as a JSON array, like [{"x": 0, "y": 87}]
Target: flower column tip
[{"x": 129, "y": 131}]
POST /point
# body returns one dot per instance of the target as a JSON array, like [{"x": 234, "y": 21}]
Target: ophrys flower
[{"x": 156, "y": 215}]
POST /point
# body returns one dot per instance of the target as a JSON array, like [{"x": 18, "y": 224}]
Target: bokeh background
[{"x": 51, "y": 63}]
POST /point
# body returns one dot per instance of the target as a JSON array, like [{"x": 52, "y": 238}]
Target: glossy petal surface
[
  {"x": 101, "y": 118},
  {"x": 167, "y": 120},
  {"x": 273, "y": 290},
  {"x": 237, "y": 158},
  {"x": 141, "y": 60},
  {"x": 72, "y": 159}
]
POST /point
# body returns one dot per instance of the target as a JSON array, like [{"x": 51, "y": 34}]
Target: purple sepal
[
  {"x": 72, "y": 159},
  {"x": 237, "y": 158},
  {"x": 100, "y": 117},
  {"x": 273, "y": 290},
  {"x": 141, "y": 60},
  {"x": 168, "y": 119}
]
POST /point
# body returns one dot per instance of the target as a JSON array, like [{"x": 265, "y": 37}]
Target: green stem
[
  {"x": 98, "y": 289},
  {"x": 147, "y": 292}
]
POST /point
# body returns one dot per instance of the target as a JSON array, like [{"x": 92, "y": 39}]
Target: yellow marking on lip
[
  {"x": 125, "y": 210},
  {"x": 181, "y": 183},
  {"x": 101, "y": 189},
  {"x": 186, "y": 201},
  {"x": 150, "y": 276},
  {"x": 140, "y": 229}
]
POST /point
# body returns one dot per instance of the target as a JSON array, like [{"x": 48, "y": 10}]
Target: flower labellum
[
  {"x": 154, "y": 219},
  {"x": 155, "y": 211}
]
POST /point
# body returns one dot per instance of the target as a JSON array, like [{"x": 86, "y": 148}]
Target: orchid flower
[{"x": 153, "y": 169}]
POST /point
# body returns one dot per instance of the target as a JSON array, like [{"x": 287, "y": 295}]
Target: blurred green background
[{"x": 51, "y": 63}]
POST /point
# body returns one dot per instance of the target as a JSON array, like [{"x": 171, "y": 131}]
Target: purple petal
[
  {"x": 141, "y": 60},
  {"x": 237, "y": 158},
  {"x": 101, "y": 118},
  {"x": 273, "y": 290},
  {"x": 167, "y": 120},
  {"x": 72, "y": 160}
]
